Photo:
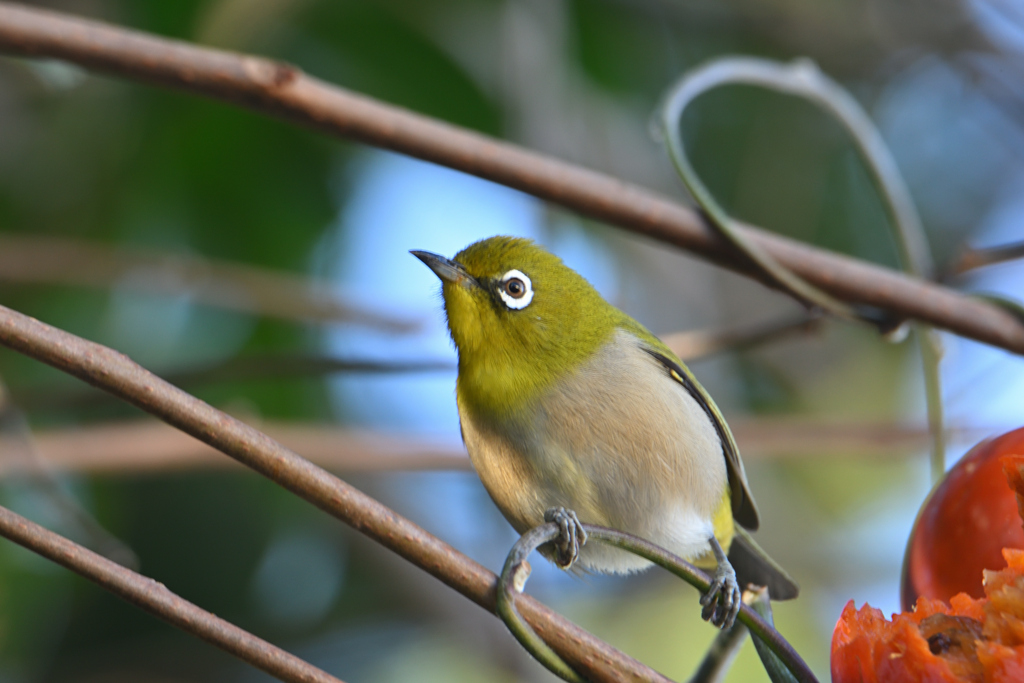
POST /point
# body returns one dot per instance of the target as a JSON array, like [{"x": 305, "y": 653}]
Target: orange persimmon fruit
[
  {"x": 964, "y": 525},
  {"x": 965, "y": 638}
]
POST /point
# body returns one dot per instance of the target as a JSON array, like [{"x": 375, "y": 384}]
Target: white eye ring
[{"x": 516, "y": 290}]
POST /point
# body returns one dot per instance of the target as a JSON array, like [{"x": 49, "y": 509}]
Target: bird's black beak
[{"x": 445, "y": 268}]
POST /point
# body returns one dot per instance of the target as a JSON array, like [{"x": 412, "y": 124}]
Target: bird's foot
[
  {"x": 571, "y": 536},
  {"x": 723, "y": 600}
]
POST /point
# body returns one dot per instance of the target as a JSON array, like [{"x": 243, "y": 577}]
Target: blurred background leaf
[{"x": 130, "y": 168}]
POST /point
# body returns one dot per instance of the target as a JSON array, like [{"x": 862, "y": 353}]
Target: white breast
[{"x": 621, "y": 443}]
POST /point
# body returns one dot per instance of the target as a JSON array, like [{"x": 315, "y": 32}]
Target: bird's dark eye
[{"x": 516, "y": 288}]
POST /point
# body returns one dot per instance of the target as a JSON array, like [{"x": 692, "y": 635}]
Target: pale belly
[{"x": 621, "y": 444}]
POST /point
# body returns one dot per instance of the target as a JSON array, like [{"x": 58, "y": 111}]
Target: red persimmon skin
[
  {"x": 964, "y": 525},
  {"x": 968, "y": 640}
]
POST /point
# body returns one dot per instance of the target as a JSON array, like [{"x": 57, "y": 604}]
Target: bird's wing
[{"x": 744, "y": 510}]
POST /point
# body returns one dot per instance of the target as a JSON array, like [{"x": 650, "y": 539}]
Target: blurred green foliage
[{"x": 125, "y": 164}]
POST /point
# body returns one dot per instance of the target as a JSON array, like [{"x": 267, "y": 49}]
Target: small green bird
[{"x": 572, "y": 411}]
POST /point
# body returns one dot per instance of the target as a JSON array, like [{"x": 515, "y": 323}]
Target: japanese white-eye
[{"x": 573, "y": 412}]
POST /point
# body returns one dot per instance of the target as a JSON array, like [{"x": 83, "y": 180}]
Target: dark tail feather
[{"x": 753, "y": 565}]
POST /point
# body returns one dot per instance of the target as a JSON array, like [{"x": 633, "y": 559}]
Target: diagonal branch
[
  {"x": 690, "y": 346},
  {"x": 971, "y": 258},
  {"x": 147, "y": 446},
  {"x": 155, "y": 598},
  {"x": 233, "y": 286},
  {"x": 283, "y": 91},
  {"x": 116, "y": 373}
]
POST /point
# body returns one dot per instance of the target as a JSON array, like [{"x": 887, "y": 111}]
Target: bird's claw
[
  {"x": 723, "y": 599},
  {"x": 571, "y": 536}
]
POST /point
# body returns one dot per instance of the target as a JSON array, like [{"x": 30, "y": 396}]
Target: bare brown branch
[
  {"x": 54, "y": 397},
  {"x": 134, "y": 447},
  {"x": 689, "y": 346},
  {"x": 149, "y": 446},
  {"x": 696, "y": 344},
  {"x": 156, "y": 599},
  {"x": 971, "y": 258},
  {"x": 114, "y": 372},
  {"x": 51, "y": 260},
  {"x": 282, "y": 90}
]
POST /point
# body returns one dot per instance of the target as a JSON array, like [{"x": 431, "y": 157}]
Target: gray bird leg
[
  {"x": 571, "y": 536},
  {"x": 723, "y": 599}
]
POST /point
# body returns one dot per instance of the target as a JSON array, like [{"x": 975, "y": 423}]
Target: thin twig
[
  {"x": 971, "y": 258},
  {"x": 517, "y": 570},
  {"x": 50, "y": 398},
  {"x": 511, "y": 584},
  {"x": 930, "y": 349},
  {"x": 758, "y": 627},
  {"x": 20, "y": 450},
  {"x": 751, "y": 71},
  {"x": 147, "y": 446},
  {"x": 695, "y": 345},
  {"x": 283, "y": 91},
  {"x": 125, "y": 448},
  {"x": 689, "y": 346},
  {"x": 114, "y": 372},
  {"x": 234, "y": 286},
  {"x": 760, "y": 601},
  {"x": 803, "y": 79},
  {"x": 727, "y": 644},
  {"x": 720, "y": 655},
  {"x": 276, "y": 366},
  {"x": 156, "y": 599}
]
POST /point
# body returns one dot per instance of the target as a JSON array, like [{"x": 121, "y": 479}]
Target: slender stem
[
  {"x": 222, "y": 284},
  {"x": 116, "y": 373},
  {"x": 58, "y": 396},
  {"x": 156, "y": 599},
  {"x": 759, "y": 628},
  {"x": 128, "y": 447},
  {"x": 511, "y": 582},
  {"x": 690, "y": 345},
  {"x": 803, "y": 79},
  {"x": 971, "y": 258},
  {"x": 283, "y": 91},
  {"x": 21, "y": 451},
  {"x": 721, "y": 653},
  {"x": 132, "y": 446},
  {"x": 928, "y": 343},
  {"x": 694, "y": 345},
  {"x": 728, "y": 71},
  {"x": 760, "y": 601},
  {"x": 514, "y": 575}
]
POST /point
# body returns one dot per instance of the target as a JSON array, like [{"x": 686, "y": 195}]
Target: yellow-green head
[{"x": 520, "y": 319}]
